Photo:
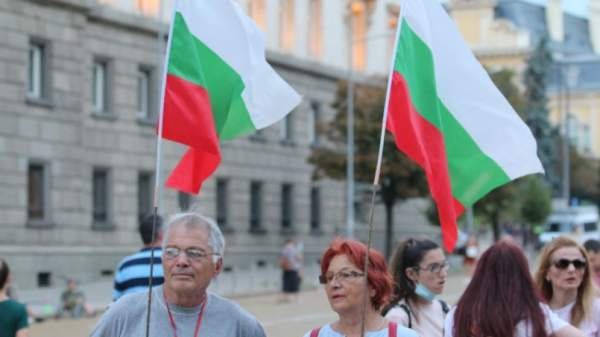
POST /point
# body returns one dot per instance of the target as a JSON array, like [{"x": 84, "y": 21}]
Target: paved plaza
[{"x": 278, "y": 319}]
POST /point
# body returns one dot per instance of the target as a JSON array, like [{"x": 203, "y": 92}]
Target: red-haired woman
[
  {"x": 342, "y": 274},
  {"x": 565, "y": 280},
  {"x": 502, "y": 301}
]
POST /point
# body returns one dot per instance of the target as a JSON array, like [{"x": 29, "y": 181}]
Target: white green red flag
[
  {"x": 219, "y": 85},
  {"x": 447, "y": 115}
]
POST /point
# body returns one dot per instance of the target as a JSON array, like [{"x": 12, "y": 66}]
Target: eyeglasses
[
  {"x": 564, "y": 263},
  {"x": 196, "y": 254},
  {"x": 342, "y": 276},
  {"x": 435, "y": 267}
]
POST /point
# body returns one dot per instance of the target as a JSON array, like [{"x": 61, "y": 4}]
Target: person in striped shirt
[{"x": 132, "y": 274}]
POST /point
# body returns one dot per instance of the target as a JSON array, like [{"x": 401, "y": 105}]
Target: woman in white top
[
  {"x": 564, "y": 278},
  {"x": 420, "y": 269},
  {"x": 342, "y": 274},
  {"x": 501, "y": 301}
]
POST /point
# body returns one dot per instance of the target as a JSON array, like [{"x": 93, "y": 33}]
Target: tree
[
  {"x": 536, "y": 108},
  {"x": 536, "y": 203},
  {"x": 400, "y": 177},
  {"x": 500, "y": 203}
]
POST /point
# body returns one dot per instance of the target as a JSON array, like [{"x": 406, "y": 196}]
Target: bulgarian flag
[
  {"x": 219, "y": 86},
  {"x": 446, "y": 115}
]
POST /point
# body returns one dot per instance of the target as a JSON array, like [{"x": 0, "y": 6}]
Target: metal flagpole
[
  {"x": 164, "y": 61},
  {"x": 375, "y": 186}
]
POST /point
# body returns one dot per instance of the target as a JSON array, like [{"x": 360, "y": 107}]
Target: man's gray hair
[{"x": 193, "y": 220}]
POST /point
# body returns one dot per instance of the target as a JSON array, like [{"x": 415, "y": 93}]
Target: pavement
[{"x": 278, "y": 319}]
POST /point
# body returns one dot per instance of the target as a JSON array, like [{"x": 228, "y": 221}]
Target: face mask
[{"x": 424, "y": 293}]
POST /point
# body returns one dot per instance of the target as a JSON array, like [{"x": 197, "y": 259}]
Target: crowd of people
[{"x": 399, "y": 299}]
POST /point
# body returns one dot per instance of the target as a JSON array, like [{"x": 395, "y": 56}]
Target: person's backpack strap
[
  {"x": 315, "y": 332},
  {"x": 407, "y": 310},
  {"x": 392, "y": 329},
  {"x": 445, "y": 307}
]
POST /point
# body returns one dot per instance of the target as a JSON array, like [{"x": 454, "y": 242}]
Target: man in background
[{"x": 133, "y": 272}]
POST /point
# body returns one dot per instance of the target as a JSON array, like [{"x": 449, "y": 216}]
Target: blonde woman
[{"x": 564, "y": 278}]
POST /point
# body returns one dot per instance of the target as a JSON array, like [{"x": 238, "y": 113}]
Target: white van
[{"x": 579, "y": 223}]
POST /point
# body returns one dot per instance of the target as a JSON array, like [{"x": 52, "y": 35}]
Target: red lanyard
[{"x": 172, "y": 321}]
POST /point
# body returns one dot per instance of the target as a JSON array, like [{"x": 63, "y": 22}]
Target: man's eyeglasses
[
  {"x": 564, "y": 263},
  {"x": 171, "y": 253},
  {"x": 435, "y": 267},
  {"x": 342, "y": 276}
]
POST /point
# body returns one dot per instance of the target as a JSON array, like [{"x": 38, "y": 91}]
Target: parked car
[{"x": 579, "y": 223}]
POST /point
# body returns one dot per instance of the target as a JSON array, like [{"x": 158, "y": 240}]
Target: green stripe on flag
[
  {"x": 193, "y": 61},
  {"x": 472, "y": 172}
]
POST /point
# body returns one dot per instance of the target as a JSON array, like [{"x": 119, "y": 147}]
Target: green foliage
[
  {"x": 536, "y": 202},
  {"x": 536, "y": 109},
  {"x": 400, "y": 177}
]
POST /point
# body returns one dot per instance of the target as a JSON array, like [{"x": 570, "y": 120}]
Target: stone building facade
[{"x": 78, "y": 84}]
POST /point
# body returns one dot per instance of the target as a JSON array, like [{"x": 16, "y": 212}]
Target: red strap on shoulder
[
  {"x": 392, "y": 329},
  {"x": 315, "y": 332}
]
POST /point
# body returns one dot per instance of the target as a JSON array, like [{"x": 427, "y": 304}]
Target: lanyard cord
[{"x": 172, "y": 321}]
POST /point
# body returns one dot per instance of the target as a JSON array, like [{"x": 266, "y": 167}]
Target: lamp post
[
  {"x": 570, "y": 73},
  {"x": 350, "y": 128}
]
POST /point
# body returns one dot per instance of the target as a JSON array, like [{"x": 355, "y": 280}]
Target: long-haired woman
[
  {"x": 564, "y": 277},
  {"x": 420, "y": 269},
  {"x": 501, "y": 301}
]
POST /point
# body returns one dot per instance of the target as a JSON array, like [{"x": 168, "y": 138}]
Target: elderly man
[{"x": 192, "y": 256}]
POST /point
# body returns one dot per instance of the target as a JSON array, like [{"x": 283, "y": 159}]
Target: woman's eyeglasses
[
  {"x": 342, "y": 276},
  {"x": 435, "y": 267},
  {"x": 564, "y": 263}
]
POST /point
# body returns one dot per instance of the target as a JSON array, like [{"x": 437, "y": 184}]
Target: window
[
  {"x": 287, "y": 129},
  {"x": 37, "y": 70},
  {"x": 256, "y": 202},
  {"x": 145, "y": 107},
  {"x": 184, "y": 201},
  {"x": 573, "y": 126},
  {"x": 100, "y": 197},
  {"x": 393, "y": 14},
  {"x": 315, "y": 29},
  {"x": 100, "y": 87},
  {"x": 36, "y": 192},
  {"x": 222, "y": 201},
  {"x": 145, "y": 194},
  {"x": 148, "y": 7},
  {"x": 286, "y": 24},
  {"x": 314, "y": 121},
  {"x": 359, "y": 34},
  {"x": 586, "y": 138},
  {"x": 258, "y": 12},
  {"x": 315, "y": 209},
  {"x": 287, "y": 206}
]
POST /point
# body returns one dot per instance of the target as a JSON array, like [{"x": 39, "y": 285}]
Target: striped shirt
[{"x": 133, "y": 272}]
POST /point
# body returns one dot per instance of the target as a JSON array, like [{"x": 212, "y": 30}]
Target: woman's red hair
[
  {"x": 378, "y": 276},
  {"x": 501, "y": 294}
]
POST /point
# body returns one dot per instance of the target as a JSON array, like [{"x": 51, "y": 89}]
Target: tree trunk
[
  {"x": 496, "y": 227},
  {"x": 389, "y": 228}
]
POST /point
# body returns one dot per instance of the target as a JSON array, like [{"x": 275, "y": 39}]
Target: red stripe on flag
[
  {"x": 424, "y": 143},
  {"x": 188, "y": 120}
]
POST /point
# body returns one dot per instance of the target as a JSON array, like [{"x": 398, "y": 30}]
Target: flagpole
[
  {"x": 161, "y": 95},
  {"x": 375, "y": 186}
]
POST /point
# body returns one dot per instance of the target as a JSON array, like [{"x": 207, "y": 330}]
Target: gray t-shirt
[{"x": 222, "y": 317}]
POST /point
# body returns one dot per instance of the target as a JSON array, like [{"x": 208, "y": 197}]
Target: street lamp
[
  {"x": 570, "y": 73},
  {"x": 352, "y": 11}
]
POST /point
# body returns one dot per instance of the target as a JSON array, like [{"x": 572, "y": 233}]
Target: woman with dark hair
[
  {"x": 564, "y": 277},
  {"x": 342, "y": 274},
  {"x": 419, "y": 269},
  {"x": 502, "y": 301}
]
